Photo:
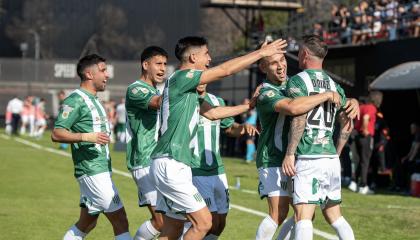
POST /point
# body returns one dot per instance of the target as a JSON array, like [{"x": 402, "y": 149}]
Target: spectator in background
[
  {"x": 345, "y": 21},
  {"x": 28, "y": 116},
  {"x": 411, "y": 162},
  {"x": 415, "y": 13},
  {"x": 365, "y": 127},
  {"x": 40, "y": 119},
  {"x": 120, "y": 119},
  {"x": 251, "y": 119},
  {"x": 14, "y": 107}
]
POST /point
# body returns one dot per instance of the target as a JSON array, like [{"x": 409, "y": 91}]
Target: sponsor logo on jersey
[
  {"x": 134, "y": 90},
  {"x": 190, "y": 74},
  {"x": 144, "y": 90}
]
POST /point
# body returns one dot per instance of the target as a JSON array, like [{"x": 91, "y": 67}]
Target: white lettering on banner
[
  {"x": 68, "y": 70},
  {"x": 64, "y": 70}
]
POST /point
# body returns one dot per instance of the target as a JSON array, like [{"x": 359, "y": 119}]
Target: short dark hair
[
  {"x": 150, "y": 52},
  {"x": 185, "y": 43},
  {"x": 86, "y": 62},
  {"x": 316, "y": 45}
]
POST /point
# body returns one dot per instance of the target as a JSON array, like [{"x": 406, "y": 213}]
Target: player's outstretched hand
[
  {"x": 268, "y": 49},
  {"x": 352, "y": 108},
  {"x": 253, "y": 100},
  {"x": 288, "y": 166},
  {"x": 250, "y": 130}
]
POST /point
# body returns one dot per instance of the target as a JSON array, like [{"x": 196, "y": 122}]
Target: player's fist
[{"x": 288, "y": 166}]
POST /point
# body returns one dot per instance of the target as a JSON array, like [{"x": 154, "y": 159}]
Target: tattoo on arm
[
  {"x": 296, "y": 131},
  {"x": 345, "y": 131}
]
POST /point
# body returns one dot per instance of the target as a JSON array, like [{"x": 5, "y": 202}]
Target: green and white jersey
[
  {"x": 82, "y": 112},
  {"x": 210, "y": 162},
  {"x": 179, "y": 117},
  {"x": 316, "y": 141},
  {"x": 142, "y": 124},
  {"x": 272, "y": 142}
]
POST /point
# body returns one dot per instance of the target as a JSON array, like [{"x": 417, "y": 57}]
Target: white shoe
[
  {"x": 366, "y": 191},
  {"x": 353, "y": 186}
]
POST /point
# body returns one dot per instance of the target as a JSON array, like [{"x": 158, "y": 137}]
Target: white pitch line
[{"x": 125, "y": 174}]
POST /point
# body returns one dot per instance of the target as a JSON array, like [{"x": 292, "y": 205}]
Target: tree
[{"x": 37, "y": 18}]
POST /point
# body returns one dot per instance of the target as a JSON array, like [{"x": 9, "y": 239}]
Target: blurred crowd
[
  {"x": 371, "y": 20},
  {"x": 27, "y": 117}
]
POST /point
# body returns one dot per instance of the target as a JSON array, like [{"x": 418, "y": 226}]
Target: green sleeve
[
  {"x": 139, "y": 97},
  {"x": 69, "y": 113},
  {"x": 268, "y": 98},
  {"x": 186, "y": 80},
  {"x": 342, "y": 95},
  {"x": 296, "y": 87},
  {"x": 225, "y": 122}
]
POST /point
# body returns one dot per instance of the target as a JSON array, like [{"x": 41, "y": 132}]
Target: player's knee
[{"x": 205, "y": 224}]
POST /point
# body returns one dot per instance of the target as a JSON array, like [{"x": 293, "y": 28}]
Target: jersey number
[{"x": 326, "y": 109}]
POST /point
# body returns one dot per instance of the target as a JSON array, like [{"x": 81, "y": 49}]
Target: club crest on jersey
[
  {"x": 66, "y": 111},
  {"x": 134, "y": 90}
]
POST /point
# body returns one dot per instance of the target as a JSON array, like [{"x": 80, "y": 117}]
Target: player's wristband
[{"x": 89, "y": 137}]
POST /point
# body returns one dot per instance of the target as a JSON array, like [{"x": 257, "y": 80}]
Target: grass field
[{"x": 39, "y": 199}]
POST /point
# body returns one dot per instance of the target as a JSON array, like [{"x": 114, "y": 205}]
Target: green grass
[{"x": 39, "y": 200}]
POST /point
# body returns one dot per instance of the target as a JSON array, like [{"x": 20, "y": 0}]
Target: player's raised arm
[
  {"x": 214, "y": 113},
  {"x": 237, "y": 64},
  {"x": 300, "y": 105}
]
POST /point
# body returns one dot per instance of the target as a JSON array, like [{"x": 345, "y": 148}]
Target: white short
[
  {"x": 26, "y": 119},
  {"x": 317, "y": 181},
  {"x": 98, "y": 194},
  {"x": 214, "y": 190},
  {"x": 41, "y": 122},
  {"x": 145, "y": 186},
  {"x": 273, "y": 183},
  {"x": 176, "y": 194}
]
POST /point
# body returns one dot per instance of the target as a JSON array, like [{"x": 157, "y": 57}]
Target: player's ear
[
  {"x": 145, "y": 65},
  {"x": 192, "y": 58},
  {"x": 88, "y": 74}
]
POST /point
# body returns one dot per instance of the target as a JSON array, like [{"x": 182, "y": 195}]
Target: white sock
[
  {"x": 304, "y": 230},
  {"x": 267, "y": 229},
  {"x": 74, "y": 234},
  {"x": 343, "y": 229},
  {"x": 211, "y": 237},
  {"x": 286, "y": 228},
  {"x": 124, "y": 236},
  {"x": 146, "y": 232}
]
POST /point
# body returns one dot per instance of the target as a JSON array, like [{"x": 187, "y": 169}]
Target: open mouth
[{"x": 160, "y": 75}]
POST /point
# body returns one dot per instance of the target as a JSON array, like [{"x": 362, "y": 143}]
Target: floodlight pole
[{"x": 37, "y": 56}]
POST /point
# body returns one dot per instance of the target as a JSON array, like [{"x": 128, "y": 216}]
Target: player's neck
[
  {"x": 88, "y": 87},
  {"x": 313, "y": 65},
  {"x": 146, "y": 79},
  {"x": 187, "y": 65}
]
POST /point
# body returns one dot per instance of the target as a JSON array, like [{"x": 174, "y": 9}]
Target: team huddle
[{"x": 173, "y": 143}]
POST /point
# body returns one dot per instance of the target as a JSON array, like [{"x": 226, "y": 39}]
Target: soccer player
[
  {"x": 142, "y": 105},
  {"x": 209, "y": 172},
  {"x": 82, "y": 121},
  {"x": 177, "y": 147},
  {"x": 316, "y": 175},
  {"x": 273, "y": 106}
]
